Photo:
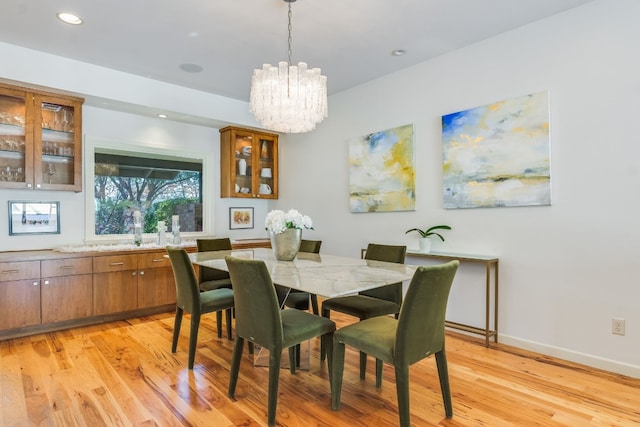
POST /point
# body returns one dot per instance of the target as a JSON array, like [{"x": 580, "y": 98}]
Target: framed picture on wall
[
  {"x": 240, "y": 218},
  {"x": 34, "y": 217}
]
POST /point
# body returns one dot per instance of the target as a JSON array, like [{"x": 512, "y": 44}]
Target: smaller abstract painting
[
  {"x": 498, "y": 155},
  {"x": 240, "y": 218},
  {"x": 382, "y": 172}
]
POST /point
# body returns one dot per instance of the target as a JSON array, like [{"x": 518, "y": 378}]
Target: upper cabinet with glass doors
[
  {"x": 40, "y": 140},
  {"x": 248, "y": 163}
]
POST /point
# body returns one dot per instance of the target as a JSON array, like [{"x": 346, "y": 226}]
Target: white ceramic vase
[
  {"x": 425, "y": 244},
  {"x": 287, "y": 244}
]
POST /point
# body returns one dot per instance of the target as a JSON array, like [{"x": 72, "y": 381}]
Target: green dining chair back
[
  {"x": 211, "y": 278},
  {"x": 381, "y": 301},
  {"x": 300, "y": 299},
  {"x": 260, "y": 320},
  {"x": 416, "y": 334},
  {"x": 191, "y": 300}
]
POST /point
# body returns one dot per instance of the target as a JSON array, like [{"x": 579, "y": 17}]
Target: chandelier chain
[{"x": 289, "y": 39}]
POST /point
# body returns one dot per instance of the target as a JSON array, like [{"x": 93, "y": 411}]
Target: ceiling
[{"x": 350, "y": 40}]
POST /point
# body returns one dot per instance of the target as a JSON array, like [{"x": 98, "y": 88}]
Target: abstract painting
[
  {"x": 382, "y": 172},
  {"x": 498, "y": 155}
]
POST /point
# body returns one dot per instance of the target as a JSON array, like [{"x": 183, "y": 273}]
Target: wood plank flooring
[{"x": 124, "y": 374}]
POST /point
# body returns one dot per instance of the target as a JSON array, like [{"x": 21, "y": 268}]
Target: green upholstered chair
[
  {"x": 211, "y": 278},
  {"x": 416, "y": 334},
  {"x": 260, "y": 320},
  {"x": 300, "y": 299},
  {"x": 191, "y": 300},
  {"x": 380, "y": 301}
]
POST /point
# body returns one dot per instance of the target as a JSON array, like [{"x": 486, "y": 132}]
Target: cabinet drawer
[
  {"x": 19, "y": 270},
  {"x": 153, "y": 260},
  {"x": 102, "y": 264},
  {"x": 66, "y": 267}
]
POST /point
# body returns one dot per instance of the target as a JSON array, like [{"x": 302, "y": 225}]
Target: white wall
[{"x": 565, "y": 269}]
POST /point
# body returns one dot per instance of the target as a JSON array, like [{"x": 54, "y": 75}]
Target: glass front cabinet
[
  {"x": 40, "y": 140},
  {"x": 248, "y": 163}
]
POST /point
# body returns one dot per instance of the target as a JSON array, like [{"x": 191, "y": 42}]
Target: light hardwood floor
[{"x": 123, "y": 374}]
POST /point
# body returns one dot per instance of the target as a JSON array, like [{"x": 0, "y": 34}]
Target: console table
[{"x": 489, "y": 262}]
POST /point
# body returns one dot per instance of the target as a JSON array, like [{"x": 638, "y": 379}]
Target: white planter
[{"x": 425, "y": 244}]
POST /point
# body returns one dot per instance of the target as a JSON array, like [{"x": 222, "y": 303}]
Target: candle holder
[
  {"x": 162, "y": 240},
  {"x": 175, "y": 230}
]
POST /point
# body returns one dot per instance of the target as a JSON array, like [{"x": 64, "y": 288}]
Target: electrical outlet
[{"x": 617, "y": 326}]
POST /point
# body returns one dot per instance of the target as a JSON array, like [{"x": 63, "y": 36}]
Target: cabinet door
[
  {"x": 19, "y": 303},
  {"x": 16, "y": 141},
  {"x": 115, "y": 292},
  {"x": 265, "y": 163},
  {"x": 57, "y": 143},
  {"x": 66, "y": 298},
  {"x": 156, "y": 287}
]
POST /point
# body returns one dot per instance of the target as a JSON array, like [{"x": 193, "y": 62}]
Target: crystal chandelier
[{"x": 288, "y": 98}]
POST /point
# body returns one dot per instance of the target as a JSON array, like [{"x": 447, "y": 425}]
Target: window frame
[{"x": 91, "y": 144}]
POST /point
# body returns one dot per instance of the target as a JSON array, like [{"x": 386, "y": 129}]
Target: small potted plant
[{"x": 425, "y": 242}]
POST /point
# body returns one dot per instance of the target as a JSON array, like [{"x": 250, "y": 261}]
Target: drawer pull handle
[
  {"x": 117, "y": 263},
  {"x": 67, "y": 267},
  {"x": 10, "y": 271},
  {"x": 159, "y": 260}
]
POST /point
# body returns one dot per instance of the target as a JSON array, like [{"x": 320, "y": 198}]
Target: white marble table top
[{"x": 325, "y": 275}]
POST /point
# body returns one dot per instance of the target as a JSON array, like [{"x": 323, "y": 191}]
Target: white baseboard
[{"x": 573, "y": 356}]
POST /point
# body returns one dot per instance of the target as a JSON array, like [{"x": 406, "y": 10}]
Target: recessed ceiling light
[
  {"x": 398, "y": 52},
  {"x": 191, "y": 68},
  {"x": 69, "y": 18},
  {"x": 162, "y": 116}
]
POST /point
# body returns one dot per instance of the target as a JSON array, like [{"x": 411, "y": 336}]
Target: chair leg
[
  {"x": 402, "y": 390},
  {"x": 193, "y": 339},
  {"x": 337, "y": 370},
  {"x": 228, "y": 313},
  {"x": 443, "y": 374},
  {"x": 176, "y": 329},
  {"x": 293, "y": 360},
  {"x": 328, "y": 339},
  {"x": 363, "y": 365},
  {"x": 236, "y": 357},
  {"x": 274, "y": 377},
  {"x": 323, "y": 352},
  {"x": 219, "y": 322},
  {"x": 379, "y": 373},
  {"x": 250, "y": 345},
  {"x": 314, "y": 304}
]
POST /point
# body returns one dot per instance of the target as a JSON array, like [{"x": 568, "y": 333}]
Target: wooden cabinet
[
  {"x": 66, "y": 289},
  {"x": 19, "y": 294},
  {"x": 248, "y": 163},
  {"x": 40, "y": 140},
  {"x": 156, "y": 285},
  {"x": 132, "y": 281},
  {"x": 115, "y": 283}
]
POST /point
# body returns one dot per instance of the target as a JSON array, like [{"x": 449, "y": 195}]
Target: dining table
[{"x": 321, "y": 274}]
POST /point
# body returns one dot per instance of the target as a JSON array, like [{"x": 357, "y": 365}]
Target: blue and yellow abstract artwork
[
  {"x": 382, "y": 172},
  {"x": 498, "y": 155}
]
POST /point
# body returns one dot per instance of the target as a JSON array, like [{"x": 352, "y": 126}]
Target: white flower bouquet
[{"x": 278, "y": 221}]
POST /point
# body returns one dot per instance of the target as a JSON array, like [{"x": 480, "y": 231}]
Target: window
[{"x": 158, "y": 186}]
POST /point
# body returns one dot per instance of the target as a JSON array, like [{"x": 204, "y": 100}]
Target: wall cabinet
[
  {"x": 40, "y": 140},
  {"x": 248, "y": 163}
]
